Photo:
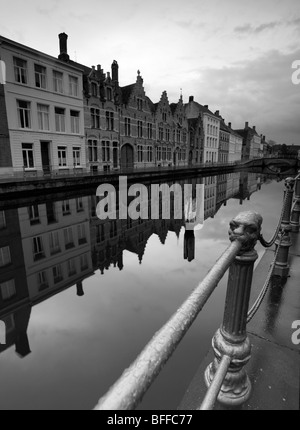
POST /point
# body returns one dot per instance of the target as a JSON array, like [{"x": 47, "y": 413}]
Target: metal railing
[{"x": 226, "y": 377}]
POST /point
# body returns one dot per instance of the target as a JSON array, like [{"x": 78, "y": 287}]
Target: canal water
[{"x": 81, "y": 297}]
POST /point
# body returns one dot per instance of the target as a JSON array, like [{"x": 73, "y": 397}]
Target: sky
[{"x": 235, "y": 56}]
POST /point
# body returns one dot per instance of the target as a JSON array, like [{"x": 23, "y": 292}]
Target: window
[
  {"x": 168, "y": 135},
  {"x": 54, "y": 243},
  {"x": 93, "y": 150},
  {"x": 94, "y": 89},
  {"x": 76, "y": 157},
  {"x": 38, "y": 249},
  {"x": 140, "y": 153},
  {"x": 84, "y": 262},
  {"x": 66, "y": 208},
  {"x": 158, "y": 153},
  {"x": 24, "y": 114},
  {"x": 109, "y": 94},
  {"x": 110, "y": 121},
  {"x": 27, "y": 151},
  {"x": 164, "y": 154},
  {"x": 58, "y": 82},
  {"x": 43, "y": 117},
  {"x": 178, "y": 133},
  {"x": 2, "y": 220},
  {"x": 127, "y": 127},
  {"x": 73, "y": 86},
  {"x": 164, "y": 116},
  {"x": 150, "y": 154},
  {"x": 34, "y": 216},
  {"x": 140, "y": 104},
  {"x": 60, "y": 122},
  {"x": 69, "y": 241},
  {"x": 95, "y": 113},
  {"x": 40, "y": 76},
  {"x": 74, "y": 121},
  {"x": 81, "y": 234},
  {"x": 79, "y": 204},
  {"x": 72, "y": 267},
  {"x": 57, "y": 274},
  {"x": 140, "y": 129},
  {"x": 20, "y": 67},
  {"x": 42, "y": 281},
  {"x": 105, "y": 152},
  {"x": 161, "y": 133},
  {"x": 184, "y": 136},
  {"x": 62, "y": 156},
  {"x": 8, "y": 290},
  {"x": 5, "y": 258},
  {"x": 150, "y": 131},
  {"x": 169, "y": 154}
]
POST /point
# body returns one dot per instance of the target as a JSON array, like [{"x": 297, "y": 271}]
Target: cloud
[
  {"x": 259, "y": 91},
  {"x": 250, "y": 29}
]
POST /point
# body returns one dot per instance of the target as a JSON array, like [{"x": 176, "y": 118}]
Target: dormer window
[
  {"x": 109, "y": 94},
  {"x": 94, "y": 89},
  {"x": 140, "y": 104}
]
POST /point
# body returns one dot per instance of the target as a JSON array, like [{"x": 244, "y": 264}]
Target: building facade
[{"x": 45, "y": 111}]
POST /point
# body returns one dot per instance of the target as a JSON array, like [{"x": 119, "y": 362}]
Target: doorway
[
  {"x": 45, "y": 157},
  {"x": 127, "y": 156}
]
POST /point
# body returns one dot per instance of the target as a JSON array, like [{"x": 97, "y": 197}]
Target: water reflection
[{"x": 47, "y": 248}]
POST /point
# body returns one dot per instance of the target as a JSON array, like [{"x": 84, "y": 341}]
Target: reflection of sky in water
[{"x": 80, "y": 346}]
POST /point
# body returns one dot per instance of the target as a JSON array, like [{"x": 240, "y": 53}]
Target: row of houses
[{"x": 59, "y": 115}]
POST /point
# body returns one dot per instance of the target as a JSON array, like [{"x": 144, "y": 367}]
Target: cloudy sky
[{"x": 234, "y": 55}]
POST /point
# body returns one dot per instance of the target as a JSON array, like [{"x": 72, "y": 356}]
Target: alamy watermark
[
  {"x": 2, "y": 72},
  {"x": 153, "y": 202},
  {"x": 296, "y": 74},
  {"x": 2, "y": 333},
  {"x": 296, "y": 334}
]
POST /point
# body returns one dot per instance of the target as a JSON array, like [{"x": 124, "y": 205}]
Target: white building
[
  {"x": 235, "y": 146},
  {"x": 211, "y": 125},
  {"x": 45, "y": 112}
]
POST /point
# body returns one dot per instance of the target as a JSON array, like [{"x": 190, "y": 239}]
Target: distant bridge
[{"x": 274, "y": 164}]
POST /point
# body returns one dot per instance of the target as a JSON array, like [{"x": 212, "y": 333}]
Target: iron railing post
[
  {"x": 282, "y": 267},
  {"x": 296, "y": 211},
  {"x": 231, "y": 339}
]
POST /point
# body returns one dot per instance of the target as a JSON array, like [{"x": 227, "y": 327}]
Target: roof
[
  {"x": 72, "y": 64},
  {"x": 126, "y": 93},
  {"x": 202, "y": 109}
]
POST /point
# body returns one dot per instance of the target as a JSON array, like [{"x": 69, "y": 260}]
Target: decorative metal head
[
  {"x": 246, "y": 227},
  {"x": 289, "y": 184}
]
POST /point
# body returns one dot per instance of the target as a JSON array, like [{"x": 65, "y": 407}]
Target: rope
[
  {"x": 265, "y": 288},
  {"x": 268, "y": 244}
]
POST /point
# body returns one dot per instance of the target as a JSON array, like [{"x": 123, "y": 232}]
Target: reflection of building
[
  {"x": 56, "y": 246},
  {"x": 45, "y": 110},
  {"x": 14, "y": 300},
  {"x": 189, "y": 245},
  {"x": 249, "y": 184},
  {"x": 210, "y": 196}
]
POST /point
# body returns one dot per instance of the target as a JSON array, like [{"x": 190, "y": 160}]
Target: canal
[{"x": 81, "y": 297}]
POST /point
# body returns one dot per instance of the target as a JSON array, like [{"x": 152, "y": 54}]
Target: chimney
[
  {"x": 115, "y": 72},
  {"x": 254, "y": 128},
  {"x": 229, "y": 125},
  {"x": 63, "y": 47},
  {"x": 98, "y": 68},
  {"x": 246, "y": 125},
  {"x": 108, "y": 75},
  {"x": 206, "y": 106},
  {"x": 191, "y": 99},
  {"x": 217, "y": 113}
]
